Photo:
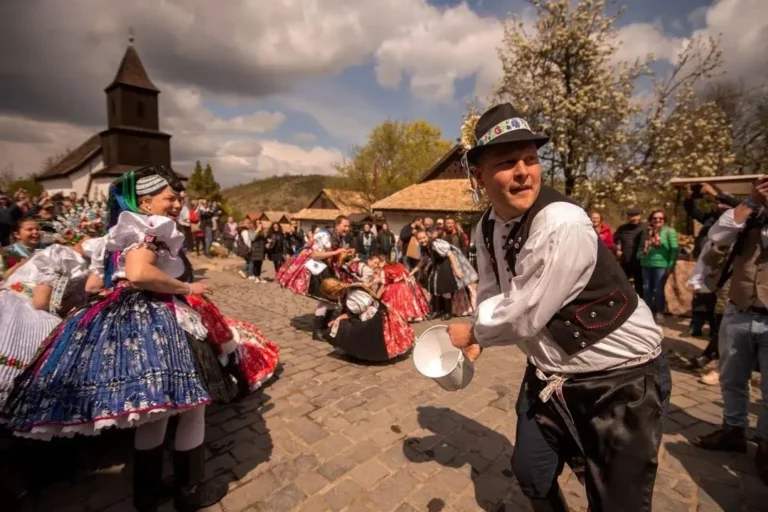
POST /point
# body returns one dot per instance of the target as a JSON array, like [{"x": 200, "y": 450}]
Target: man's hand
[
  {"x": 760, "y": 190},
  {"x": 462, "y": 336},
  {"x": 709, "y": 189}
]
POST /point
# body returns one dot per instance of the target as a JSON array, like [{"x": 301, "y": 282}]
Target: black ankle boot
[
  {"x": 447, "y": 308},
  {"x": 147, "y": 478},
  {"x": 320, "y": 326},
  {"x": 725, "y": 439},
  {"x": 434, "y": 308},
  {"x": 554, "y": 502},
  {"x": 190, "y": 493}
]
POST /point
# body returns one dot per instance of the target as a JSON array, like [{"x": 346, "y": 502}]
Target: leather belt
[{"x": 755, "y": 310}]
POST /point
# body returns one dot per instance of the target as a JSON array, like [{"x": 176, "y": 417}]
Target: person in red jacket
[{"x": 603, "y": 230}]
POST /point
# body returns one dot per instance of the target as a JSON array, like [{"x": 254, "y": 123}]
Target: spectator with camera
[
  {"x": 705, "y": 216},
  {"x": 744, "y": 329}
]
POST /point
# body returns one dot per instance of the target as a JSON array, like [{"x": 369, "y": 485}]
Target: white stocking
[
  {"x": 150, "y": 435},
  {"x": 191, "y": 430}
]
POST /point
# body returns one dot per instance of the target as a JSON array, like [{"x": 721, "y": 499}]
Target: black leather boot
[
  {"x": 320, "y": 326},
  {"x": 554, "y": 502},
  {"x": 761, "y": 460},
  {"x": 147, "y": 478},
  {"x": 190, "y": 493},
  {"x": 725, "y": 439},
  {"x": 447, "y": 308}
]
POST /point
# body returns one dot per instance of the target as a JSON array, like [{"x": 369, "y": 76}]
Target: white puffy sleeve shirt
[
  {"x": 95, "y": 249},
  {"x": 134, "y": 231},
  {"x": 48, "y": 264},
  {"x": 552, "y": 268}
]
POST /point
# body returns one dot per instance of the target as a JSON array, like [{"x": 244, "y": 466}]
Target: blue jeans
[
  {"x": 653, "y": 287},
  {"x": 208, "y": 240},
  {"x": 743, "y": 343}
]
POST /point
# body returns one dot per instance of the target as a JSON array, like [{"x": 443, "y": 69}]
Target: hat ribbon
[{"x": 506, "y": 126}]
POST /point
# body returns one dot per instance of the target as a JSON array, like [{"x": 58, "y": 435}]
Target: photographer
[
  {"x": 743, "y": 337},
  {"x": 706, "y": 218}
]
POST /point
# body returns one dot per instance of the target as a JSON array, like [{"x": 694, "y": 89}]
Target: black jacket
[{"x": 706, "y": 218}]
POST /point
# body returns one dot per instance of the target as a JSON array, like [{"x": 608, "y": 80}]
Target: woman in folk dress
[
  {"x": 366, "y": 329},
  {"x": 136, "y": 354}
]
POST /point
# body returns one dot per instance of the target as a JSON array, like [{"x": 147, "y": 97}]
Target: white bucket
[{"x": 435, "y": 357}]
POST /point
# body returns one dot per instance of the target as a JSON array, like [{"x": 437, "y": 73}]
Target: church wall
[
  {"x": 58, "y": 185},
  {"x": 100, "y": 187}
]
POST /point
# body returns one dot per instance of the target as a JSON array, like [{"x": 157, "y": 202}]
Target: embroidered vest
[{"x": 603, "y": 306}]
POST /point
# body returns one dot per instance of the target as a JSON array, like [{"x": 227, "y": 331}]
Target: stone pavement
[{"x": 330, "y": 434}]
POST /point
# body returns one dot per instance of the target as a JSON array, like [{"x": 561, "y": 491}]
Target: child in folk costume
[
  {"x": 27, "y": 235},
  {"x": 401, "y": 292},
  {"x": 449, "y": 271},
  {"x": 366, "y": 329},
  {"x": 305, "y": 272},
  {"x": 136, "y": 354}
]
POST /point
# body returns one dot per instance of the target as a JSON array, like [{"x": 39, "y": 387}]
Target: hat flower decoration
[{"x": 501, "y": 124}]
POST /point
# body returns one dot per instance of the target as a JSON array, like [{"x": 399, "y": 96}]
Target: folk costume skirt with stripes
[
  {"x": 120, "y": 361},
  {"x": 22, "y": 330}
]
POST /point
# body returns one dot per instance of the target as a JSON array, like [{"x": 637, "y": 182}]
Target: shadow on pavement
[
  {"x": 459, "y": 441},
  {"x": 727, "y": 480},
  {"x": 95, "y": 473}
]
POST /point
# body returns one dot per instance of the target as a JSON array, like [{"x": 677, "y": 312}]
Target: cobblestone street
[{"x": 330, "y": 434}]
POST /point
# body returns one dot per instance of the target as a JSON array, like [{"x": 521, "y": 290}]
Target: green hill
[{"x": 280, "y": 193}]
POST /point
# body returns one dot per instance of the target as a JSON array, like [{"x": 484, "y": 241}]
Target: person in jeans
[
  {"x": 657, "y": 253},
  {"x": 253, "y": 238},
  {"x": 744, "y": 329},
  {"x": 626, "y": 240}
]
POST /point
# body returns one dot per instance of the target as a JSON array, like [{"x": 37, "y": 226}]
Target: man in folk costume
[
  {"x": 597, "y": 385},
  {"x": 327, "y": 245}
]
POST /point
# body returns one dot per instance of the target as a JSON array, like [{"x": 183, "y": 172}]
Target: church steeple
[
  {"x": 131, "y": 72},
  {"x": 133, "y": 135}
]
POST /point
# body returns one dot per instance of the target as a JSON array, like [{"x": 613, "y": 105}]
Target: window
[
  {"x": 112, "y": 106},
  {"x": 146, "y": 154},
  {"x": 140, "y": 110}
]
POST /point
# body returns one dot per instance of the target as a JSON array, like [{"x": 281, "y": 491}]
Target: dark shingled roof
[
  {"x": 74, "y": 159},
  {"x": 131, "y": 72}
]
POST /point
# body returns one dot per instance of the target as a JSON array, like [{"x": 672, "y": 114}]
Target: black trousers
[
  {"x": 615, "y": 433},
  {"x": 634, "y": 271},
  {"x": 703, "y": 311}
]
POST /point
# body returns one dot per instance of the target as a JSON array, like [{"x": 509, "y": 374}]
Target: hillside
[{"x": 280, "y": 193}]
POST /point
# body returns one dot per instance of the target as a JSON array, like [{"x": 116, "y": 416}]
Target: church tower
[{"x": 133, "y": 137}]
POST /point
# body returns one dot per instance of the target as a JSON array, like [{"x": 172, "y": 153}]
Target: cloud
[
  {"x": 637, "y": 40},
  {"x": 304, "y": 137},
  {"x": 51, "y": 84},
  {"x": 742, "y": 26},
  {"x": 442, "y": 47}
]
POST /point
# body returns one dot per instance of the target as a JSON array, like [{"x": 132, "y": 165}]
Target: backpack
[{"x": 241, "y": 249}]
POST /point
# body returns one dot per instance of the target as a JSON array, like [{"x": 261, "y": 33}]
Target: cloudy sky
[{"x": 259, "y": 88}]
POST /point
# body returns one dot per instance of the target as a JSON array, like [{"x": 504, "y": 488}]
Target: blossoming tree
[{"x": 608, "y": 142}]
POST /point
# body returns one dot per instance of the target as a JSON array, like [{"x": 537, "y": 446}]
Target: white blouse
[
  {"x": 95, "y": 249},
  {"x": 134, "y": 231},
  {"x": 47, "y": 265},
  {"x": 441, "y": 247},
  {"x": 361, "y": 304}
]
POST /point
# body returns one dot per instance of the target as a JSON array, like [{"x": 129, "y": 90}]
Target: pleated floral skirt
[{"x": 120, "y": 361}]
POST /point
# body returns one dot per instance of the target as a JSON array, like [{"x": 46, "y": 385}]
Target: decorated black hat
[{"x": 502, "y": 124}]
